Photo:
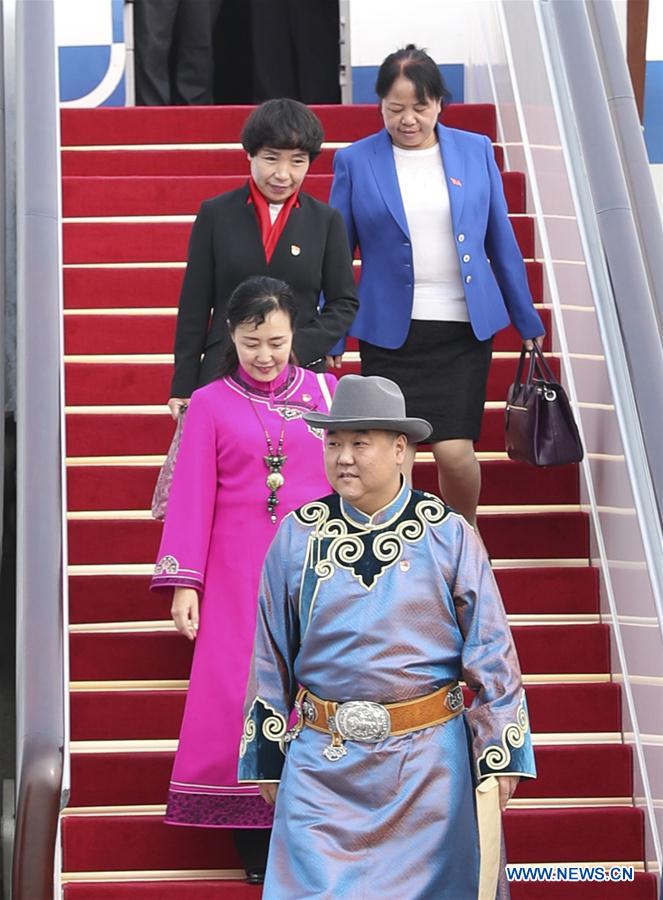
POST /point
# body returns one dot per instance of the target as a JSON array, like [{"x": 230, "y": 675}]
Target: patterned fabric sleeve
[
  {"x": 272, "y": 687},
  {"x": 188, "y": 525},
  {"x": 498, "y": 720}
]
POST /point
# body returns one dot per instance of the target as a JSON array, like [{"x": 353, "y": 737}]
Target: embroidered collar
[
  {"x": 383, "y": 516},
  {"x": 274, "y": 388},
  {"x": 338, "y": 541}
]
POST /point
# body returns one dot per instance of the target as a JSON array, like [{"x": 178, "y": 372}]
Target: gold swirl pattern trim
[
  {"x": 314, "y": 513},
  {"x": 346, "y": 550},
  {"x": 273, "y": 728},
  {"x": 248, "y": 735},
  {"x": 498, "y": 758}
]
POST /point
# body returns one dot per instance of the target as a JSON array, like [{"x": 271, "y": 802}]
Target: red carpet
[
  {"x": 134, "y": 242},
  {"x": 156, "y": 715},
  {"x": 570, "y": 649},
  {"x": 96, "y": 434},
  {"x": 131, "y": 487},
  {"x": 584, "y": 761},
  {"x": 154, "y": 333},
  {"x": 142, "y": 778},
  {"x": 121, "y": 598},
  {"x": 182, "y": 195},
  {"x": 127, "y": 383},
  {"x": 107, "y": 843}
]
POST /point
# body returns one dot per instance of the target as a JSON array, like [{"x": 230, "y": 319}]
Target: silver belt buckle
[{"x": 363, "y": 721}]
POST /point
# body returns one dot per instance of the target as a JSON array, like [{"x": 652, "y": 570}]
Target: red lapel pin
[{"x": 456, "y": 181}]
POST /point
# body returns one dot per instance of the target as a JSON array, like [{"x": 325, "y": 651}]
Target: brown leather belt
[{"x": 369, "y": 722}]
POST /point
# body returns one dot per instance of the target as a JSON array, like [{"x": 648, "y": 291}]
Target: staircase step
[
  {"x": 503, "y": 482},
  {"x": 559, "y": 535},
  {"x": 117, "y": 334},
  {"x": 157, "y": 714},
  {"x": 148, "y": 434},
  {"x": 185, "y": 161},
  {"x": 126, "y": 598},
  {"x": 165, "y": 889},
  {"x": 576, "y": 834},
  {"x": 133, "y": 242},
  {"x": 117, "y": 842},
  {"x": 506, "y": 482},
  {"x": 122, "y": 656},
  {"x": 643, "y": 887},
  {"x": 214, "y": 124},
  {"x": 125, "y": 778},
  {"x": 130, "y": 383},
  {"x": 188, "y": 161},
  {"x": 167, "y": 195},
  {"x": 128, "y": 842},
  {"x": 127, "y": 288},
  {"x": 138, "y": 286}
]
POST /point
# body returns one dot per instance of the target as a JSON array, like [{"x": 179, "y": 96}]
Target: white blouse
[{"x": 438, "y": 286}]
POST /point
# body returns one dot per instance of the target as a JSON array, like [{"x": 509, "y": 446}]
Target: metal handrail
[{"x": 41, "y": 725}]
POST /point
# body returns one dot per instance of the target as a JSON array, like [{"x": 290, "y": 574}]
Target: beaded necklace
[{"x": 274, "y": 461}]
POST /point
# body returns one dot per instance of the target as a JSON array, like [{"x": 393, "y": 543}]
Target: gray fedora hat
[{"x": 370, "y": 403}]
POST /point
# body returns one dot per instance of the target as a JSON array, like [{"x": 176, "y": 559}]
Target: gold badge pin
[{"x": 295, "y": 250}]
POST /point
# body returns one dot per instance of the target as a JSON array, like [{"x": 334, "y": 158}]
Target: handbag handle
[
  {"x": 544, "y": 369},
  {"x": 529, "y": 379}
]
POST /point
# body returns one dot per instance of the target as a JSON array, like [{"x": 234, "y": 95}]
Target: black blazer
[{"x": 225, "y": 247}]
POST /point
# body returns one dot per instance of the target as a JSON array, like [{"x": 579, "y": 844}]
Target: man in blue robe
[{"x": 375, "y": 602}]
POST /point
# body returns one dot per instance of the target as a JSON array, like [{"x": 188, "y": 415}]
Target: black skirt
[{"x": 442, "y": 370}]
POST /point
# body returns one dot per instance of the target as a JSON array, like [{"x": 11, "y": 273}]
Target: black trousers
[
  {"x": 296, "y": 50},
  {"x": 174, "y": 62},
  {"x": 252, "y": 845}
]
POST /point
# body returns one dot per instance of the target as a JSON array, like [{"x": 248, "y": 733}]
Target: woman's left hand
[{"x": 529, "y": 344}]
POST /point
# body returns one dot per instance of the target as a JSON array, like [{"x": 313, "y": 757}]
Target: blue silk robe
[{"x": 385, "y": 608}]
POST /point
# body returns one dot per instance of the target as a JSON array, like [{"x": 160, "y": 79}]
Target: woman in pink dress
[{"x": 246, "y": 459}]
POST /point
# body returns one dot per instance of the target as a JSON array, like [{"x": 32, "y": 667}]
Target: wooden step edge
[
  {"x": 170, "y": 264},
  {"x": 157, "y": 460},
  {"x": 206, "y": 145},
  {"x": 174, "y": 684},
  {"x": 557, "y": 739},
  {"x": 129, "y": 875},
  {"x": 148, "y": 568},
  {"x": 239, "y": 875},
  {"x": 550, "y": 620},
  {"x": 194, "y": 145},
  {"x": 181, "y": 264},
  {"x": 100, "y": 515},
  {"x": 170, "y": 311},
  {"x": 188, "y": 218},
  {"x": 517, "y": 803},
  {"x": 161, "y": 409},
  {"x": 352, "y": 356}
]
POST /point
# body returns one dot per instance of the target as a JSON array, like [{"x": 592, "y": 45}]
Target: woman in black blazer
[{"x": 268, "y": 227}]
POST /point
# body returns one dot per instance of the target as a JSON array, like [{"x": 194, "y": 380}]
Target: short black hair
[
  {"x": 417, "y": 66},
  {"x": 283, "y": 125},
  {"x": 252, "y": 301}
]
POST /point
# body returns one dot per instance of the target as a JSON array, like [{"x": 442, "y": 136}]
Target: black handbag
[{"x": 539, "y": 427}]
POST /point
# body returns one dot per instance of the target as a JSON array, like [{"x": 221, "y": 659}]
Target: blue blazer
[{"x": 365, "y": 190}]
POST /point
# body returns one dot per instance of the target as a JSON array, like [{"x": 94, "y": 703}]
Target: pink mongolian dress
[{"x": 215, "y": 537}]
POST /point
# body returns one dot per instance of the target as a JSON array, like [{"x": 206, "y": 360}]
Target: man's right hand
[
  {"x": 175, "y": 404},
  {"x": 268, "y": 790}
]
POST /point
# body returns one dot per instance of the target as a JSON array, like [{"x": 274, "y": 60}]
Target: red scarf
[{"x": 270, "y": 233}]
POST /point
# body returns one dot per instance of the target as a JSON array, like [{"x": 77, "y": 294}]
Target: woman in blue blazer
[{"x": 441, "y": 268}]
